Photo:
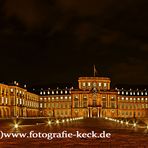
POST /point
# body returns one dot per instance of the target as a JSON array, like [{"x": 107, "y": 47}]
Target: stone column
[
  {"x": 98, "y": 113},
  {"x": 88, "y": 112},
  {"x": 91, "y": 112}
]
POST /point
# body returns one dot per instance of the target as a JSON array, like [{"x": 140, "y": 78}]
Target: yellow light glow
[
  {"x": 49, "y": 122},
  {"x": 15, "y": 125},
  {"x": 57, "y": 121}
]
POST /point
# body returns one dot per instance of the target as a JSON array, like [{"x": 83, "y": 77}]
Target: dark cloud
[{"x": 48, "y": 38}]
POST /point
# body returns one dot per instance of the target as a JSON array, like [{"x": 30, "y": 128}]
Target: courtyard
[{"x": 122, "y": 135}]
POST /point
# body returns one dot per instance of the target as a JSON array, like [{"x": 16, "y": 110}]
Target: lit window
[
  {"x": 40, "y": 92},
  {"x": 130, "y": 98},
  {"x": 118, "y": 92},
  {"x": 52, "y": 98},
  {"x": 48, "y": 98},
  {"x": 122, "y": 98},
  {"x": 20, "y": 101},
  {"x": 105, "y": 84},
  {"x": 122, "y": 92},
  {"x": 57, "y": 98},
  {"x": 20, "y": 92},
  {"x": 11, "y": 89},
  {"x": 56, "y": 92},
  {"x": 61, "y": 92},
  {"x": 134, "y": 99},
  {"x": 88, "y": 83},
  {"x": 138, "y": 99},
  {"x": 127, "y": 93},
  {"x": 44, "y": 93},
  {"x": 48, "y": 92},
  {"x": 142, "y": 99},
  {"x": 83, "y": 84},
  {"x": 41, "y": 99},
  {"x": 52, "y": 92},
  {"x": 145, "y": 93},
  {"x": 145, "y": 98},
  {"x": 45, "y": 99},
  {"x": 61, "y": 97},
  {"x": 99, "y": 84},
  {"x": 133, "y": 93},
  {"x": 65, "y": 97},
  {"x": 126, "y": 98},
  {"x": 130, "y": 93},
  {"x": 69, "y": 97},
  {"x": 137, "y": 93},
  {"x": 6, "y": 101},
  {"x": 65, "y": 91},
  {"x": 41, "y": 105},
  {"x": 141, "y": 93}
]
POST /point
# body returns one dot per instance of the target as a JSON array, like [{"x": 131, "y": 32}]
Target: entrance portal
[{"x": 94, "y": 113}]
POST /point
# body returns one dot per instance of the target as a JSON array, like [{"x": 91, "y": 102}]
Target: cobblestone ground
[{"x": 121, "y": 135}]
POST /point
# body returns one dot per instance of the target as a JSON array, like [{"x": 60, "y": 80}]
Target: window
[
  {"x": 83, "y": 84},
  {"x": 105, "y": 84},
  {"x": 41, "y": 105},
  {"x": 112, "y": 105},
  {"x": 85, "y": 104},
  {"x": 6, "y": 100},
  {"x": 99, "y": 84},
  {"x": 20, "y": 101},
  {"x": 88, "y": 83},
  {"x": 103, "y": 98}
]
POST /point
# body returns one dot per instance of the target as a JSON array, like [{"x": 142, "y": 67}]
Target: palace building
[{"x": 92, "y": 98}]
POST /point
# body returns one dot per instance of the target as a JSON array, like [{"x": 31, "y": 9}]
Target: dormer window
[
  {"x": 84, "y": 84},
  {"x": 88, "y": 83}
]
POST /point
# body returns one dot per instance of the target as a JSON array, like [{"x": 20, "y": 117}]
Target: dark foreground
[{"x": 121, "y": 135}]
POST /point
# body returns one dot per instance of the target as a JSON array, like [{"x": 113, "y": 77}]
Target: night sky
[{"x": 56, "y": 41}]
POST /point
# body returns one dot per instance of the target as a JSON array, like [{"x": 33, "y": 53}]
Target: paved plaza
[{"x": 121, "y": 135}]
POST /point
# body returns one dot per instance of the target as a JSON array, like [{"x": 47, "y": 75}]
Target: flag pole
[{"x": 94, "y": 70}]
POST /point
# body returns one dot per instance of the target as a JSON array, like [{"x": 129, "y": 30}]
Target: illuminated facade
[
  {"x": 18, "y": 102},
  {"x": 92, "y": 98}
]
